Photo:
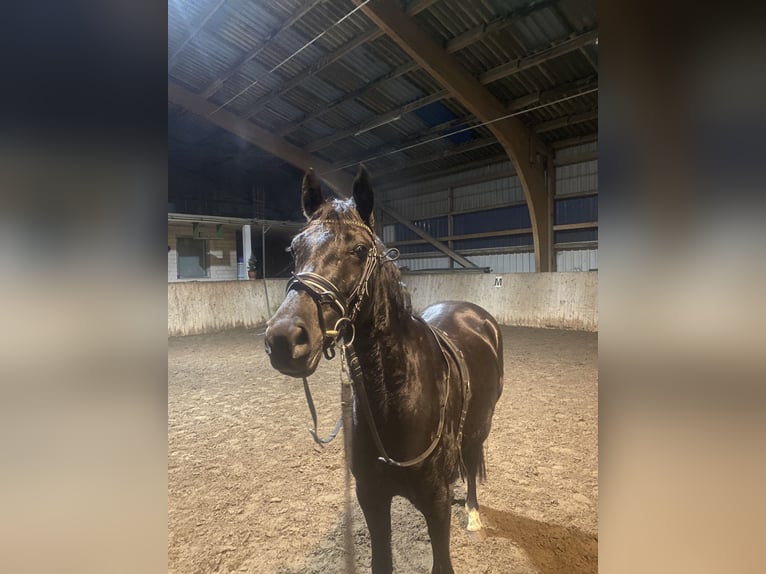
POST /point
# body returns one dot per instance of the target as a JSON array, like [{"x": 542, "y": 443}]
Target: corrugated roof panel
[
  {"x": 354, "y": 113},
  {"x": 265, "y": 123},
  {"x": 284, "y": 111},
  {"x": 364, "y": 64},
  {"x": 322, "y": 22},
  {"x": 321, "y": 88},
  {"x": 339, "y": 76},
  {"x": 478, "y": 59},
  {"x": 300, "y": 137},
  {"x": 341, "y": 149},
  {"x": 388, "y": 51},
  {"x": 244, "y": 99},
  {"x": 335, "y": 120},
  {"x": 301, "y": 101},
  {"x": 183, "y": 16},
  {"x": 367, "y": 140},
  {"x": 289, "y": 43},
  {"x": 538, "y": 30},
  {"x": 409, "y": 124},
  {"x": 246, "y": 24},
  {"x": 400, "y": 91},
  {"x": 423, "y": 80},
  {"x": 569, "y": 67},
  {"x": 443, "y": 20},
  {"x": 436, "y": 166},
  {"x": 568, "y": 132},
  {"x": 377, "y": 102},
  {"x": 211, "y": 54}
]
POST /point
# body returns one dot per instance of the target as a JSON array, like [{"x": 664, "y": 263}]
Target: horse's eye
[{"x": 361, "y": 251}]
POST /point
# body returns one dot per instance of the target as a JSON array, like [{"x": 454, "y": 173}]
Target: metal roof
[{"x": 285, "y": 66}]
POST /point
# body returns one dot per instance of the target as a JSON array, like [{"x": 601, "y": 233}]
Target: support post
[
  {"x": 550, "y": 175},
  {"x": 264, "y": 229},
  {"x": 247, "y": 248}
]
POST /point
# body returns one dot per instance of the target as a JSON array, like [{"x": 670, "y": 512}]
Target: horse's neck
[
  {"x": 382, "y": 340},
  {"x": 385, "y": 343}
]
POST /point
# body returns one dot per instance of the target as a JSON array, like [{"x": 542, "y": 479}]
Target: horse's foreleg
[
  {"x": 437, "y": 510},
  {"x": 376, "y": 507}
]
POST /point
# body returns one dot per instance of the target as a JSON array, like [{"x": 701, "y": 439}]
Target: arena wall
[{"x": 549, "y": 300}]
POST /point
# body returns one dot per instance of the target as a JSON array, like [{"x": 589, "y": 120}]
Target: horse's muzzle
[{"x": 288, "y": 346}]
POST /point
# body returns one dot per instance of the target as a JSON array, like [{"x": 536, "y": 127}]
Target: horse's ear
[
  {"x": 311, "y": 193},
  {"x": 363, "y": 195}
]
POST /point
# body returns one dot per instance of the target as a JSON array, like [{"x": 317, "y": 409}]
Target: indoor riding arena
[{"x": 477, "y": 122}]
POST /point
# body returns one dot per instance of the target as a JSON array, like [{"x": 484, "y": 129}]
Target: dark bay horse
[{"x": 428, "y": 384}]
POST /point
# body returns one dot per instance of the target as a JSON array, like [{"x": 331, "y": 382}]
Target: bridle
[{"x": 325, "y": 292}]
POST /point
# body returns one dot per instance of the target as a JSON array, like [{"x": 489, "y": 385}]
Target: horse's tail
[{"x": 482, "y": 465}]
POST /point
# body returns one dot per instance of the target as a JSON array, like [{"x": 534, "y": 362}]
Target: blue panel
[
  {"x": 576, "y": 235},
  {"x": 488, "y": 242},
  {"x": 512, "y": 217},
  {"x": 576, "y": 210},
  {"x": 437, "y": 113}
]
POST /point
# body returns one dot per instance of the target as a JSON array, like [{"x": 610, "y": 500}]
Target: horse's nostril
[
  {"x": 287, "y": 341},
  {"x": 303, "y": 337},
  {"x": 300, "y": 342}
]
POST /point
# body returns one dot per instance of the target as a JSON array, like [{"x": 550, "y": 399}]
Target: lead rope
[
  {"x": 317, "y": 439},
  {"x": 346, "y": 399}
]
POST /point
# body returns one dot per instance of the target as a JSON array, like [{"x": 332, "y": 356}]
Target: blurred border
[
  {"x": 682, "y": 362},
  {"x": 83, "y": 186},
  {"x": 83, "y": 341}
]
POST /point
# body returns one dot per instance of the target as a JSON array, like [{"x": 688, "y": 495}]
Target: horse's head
[{"x": 335, "y": 255}]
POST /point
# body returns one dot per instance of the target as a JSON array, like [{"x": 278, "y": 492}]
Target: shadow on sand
[{"x": 552, "y": 549}]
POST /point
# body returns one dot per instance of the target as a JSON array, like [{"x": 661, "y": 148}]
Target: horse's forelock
[{"x": 340, "y": 210}]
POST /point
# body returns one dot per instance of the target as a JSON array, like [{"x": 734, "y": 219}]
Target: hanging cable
[{"x": 283, "y": 62}]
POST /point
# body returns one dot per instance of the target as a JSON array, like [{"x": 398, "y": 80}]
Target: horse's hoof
[{"x": 474, "y": 520}]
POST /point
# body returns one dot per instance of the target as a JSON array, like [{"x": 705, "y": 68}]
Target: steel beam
[{"x": 519, "y": 142}]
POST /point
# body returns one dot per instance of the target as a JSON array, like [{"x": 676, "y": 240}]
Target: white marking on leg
[{"x": 474, "y": 520}]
